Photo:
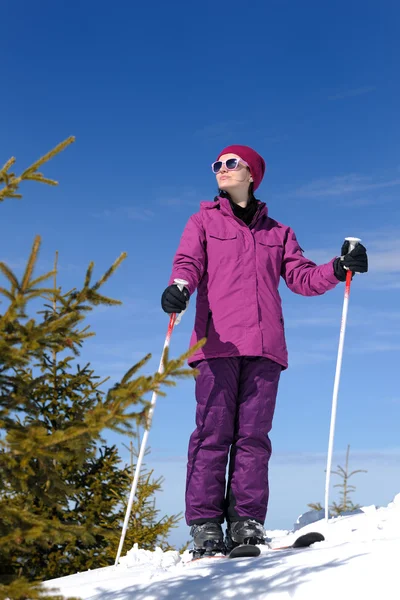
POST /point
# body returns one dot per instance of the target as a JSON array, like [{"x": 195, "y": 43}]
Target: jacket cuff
[{"x": 329, "y": 273}]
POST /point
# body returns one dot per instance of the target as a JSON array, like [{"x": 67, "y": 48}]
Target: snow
[{"x": 358, "y": 560}]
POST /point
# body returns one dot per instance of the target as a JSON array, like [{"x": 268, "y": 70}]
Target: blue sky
[{"x": 152, "y": 92}]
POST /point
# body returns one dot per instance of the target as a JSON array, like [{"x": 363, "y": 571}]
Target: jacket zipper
[{"x": 208, "y": 322}]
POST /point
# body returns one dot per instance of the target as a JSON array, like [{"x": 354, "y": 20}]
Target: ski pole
[
  {"x": 174, "y": 320},
  {"x": 352, "y": 244}
]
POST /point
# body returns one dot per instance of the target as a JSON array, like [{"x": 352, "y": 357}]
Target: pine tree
[
  {"x": 62, "y": 489},
  {"x": 346, "y": 504}
]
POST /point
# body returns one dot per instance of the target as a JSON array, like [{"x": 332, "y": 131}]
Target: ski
[
  {"x": 304, "y": 541},
  {"x": 250, "y": 550},
  {"x": 244, "y": 551}
]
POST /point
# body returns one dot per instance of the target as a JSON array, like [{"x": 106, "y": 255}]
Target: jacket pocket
[
  {"x": 270, "y": 256},
  {"x": 274, "y": 246},
  {"x": 223, "y": 235},
  {"x": 222, "y": 246}
]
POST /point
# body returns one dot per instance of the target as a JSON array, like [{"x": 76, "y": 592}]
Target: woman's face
[{"x": 236, "y": 180}]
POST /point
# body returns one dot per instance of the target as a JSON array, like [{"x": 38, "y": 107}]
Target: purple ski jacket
[{"x": 236, "y": 270}]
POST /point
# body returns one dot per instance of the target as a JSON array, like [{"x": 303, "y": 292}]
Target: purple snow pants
[{"x": 235, "y": 406}]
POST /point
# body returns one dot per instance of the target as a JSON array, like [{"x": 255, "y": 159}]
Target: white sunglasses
[{"x": 231, "y": 164}]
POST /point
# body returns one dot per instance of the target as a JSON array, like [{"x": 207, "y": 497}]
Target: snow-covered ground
[{"x": 358, "y": 560}]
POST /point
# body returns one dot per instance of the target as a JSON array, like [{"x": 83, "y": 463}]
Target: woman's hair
[{"x": 224, "y": 194}]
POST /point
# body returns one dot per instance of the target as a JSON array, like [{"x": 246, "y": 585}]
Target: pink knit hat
[{"x": 254, "y": 160}]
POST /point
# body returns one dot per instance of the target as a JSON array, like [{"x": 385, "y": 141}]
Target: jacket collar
[{"x": 224, "y": 206}]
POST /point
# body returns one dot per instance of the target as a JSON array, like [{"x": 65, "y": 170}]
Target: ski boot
[
  {"x": 244, "y": 532},
  {"x": 208, "y": 540}
]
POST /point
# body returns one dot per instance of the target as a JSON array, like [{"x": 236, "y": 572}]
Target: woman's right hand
[{"x": 174, "y": 300}]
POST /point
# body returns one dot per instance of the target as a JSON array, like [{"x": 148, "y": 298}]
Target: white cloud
[
  {"x": 178, "y": 197},
  {"x": 42, "y": 265},
  {"x": 322, "y": 255},
  {"x": 222, "y": 130},
  {"x": 360, "y": 91},
  {"x": 385, "y": 252},
  {"x": 331, "y": 315},
  {"x": 342, "y": 184},
  {"x": 301, "y": 358},
  {"x": 273, "y": 139},
  {"x": 365, "y": 201},
  {"x": 385, "y": 455},
  {"x": 390, "y": 285},
  {"x": 125, "y": 212},
  {"x": 15, "y": 264},
  {"x": 385, "y": 262},
  {"x": 373, "y": 347},
  {"x": 316, "y": 320}
]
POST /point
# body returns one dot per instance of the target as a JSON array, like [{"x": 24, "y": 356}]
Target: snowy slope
[{"x": 359, "y": 560}]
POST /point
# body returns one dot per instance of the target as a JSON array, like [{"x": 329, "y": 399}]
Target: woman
[{"x": 233, "y": 253}]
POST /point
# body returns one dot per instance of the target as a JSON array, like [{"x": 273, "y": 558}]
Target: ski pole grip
[
  {"x": 181, "y": 283},
  {"x": 353, "y": 241}
]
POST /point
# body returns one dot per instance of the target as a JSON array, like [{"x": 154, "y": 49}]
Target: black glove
[
  {"x": 356, "y": 261},
  {"x": 174, "y": 300}
]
